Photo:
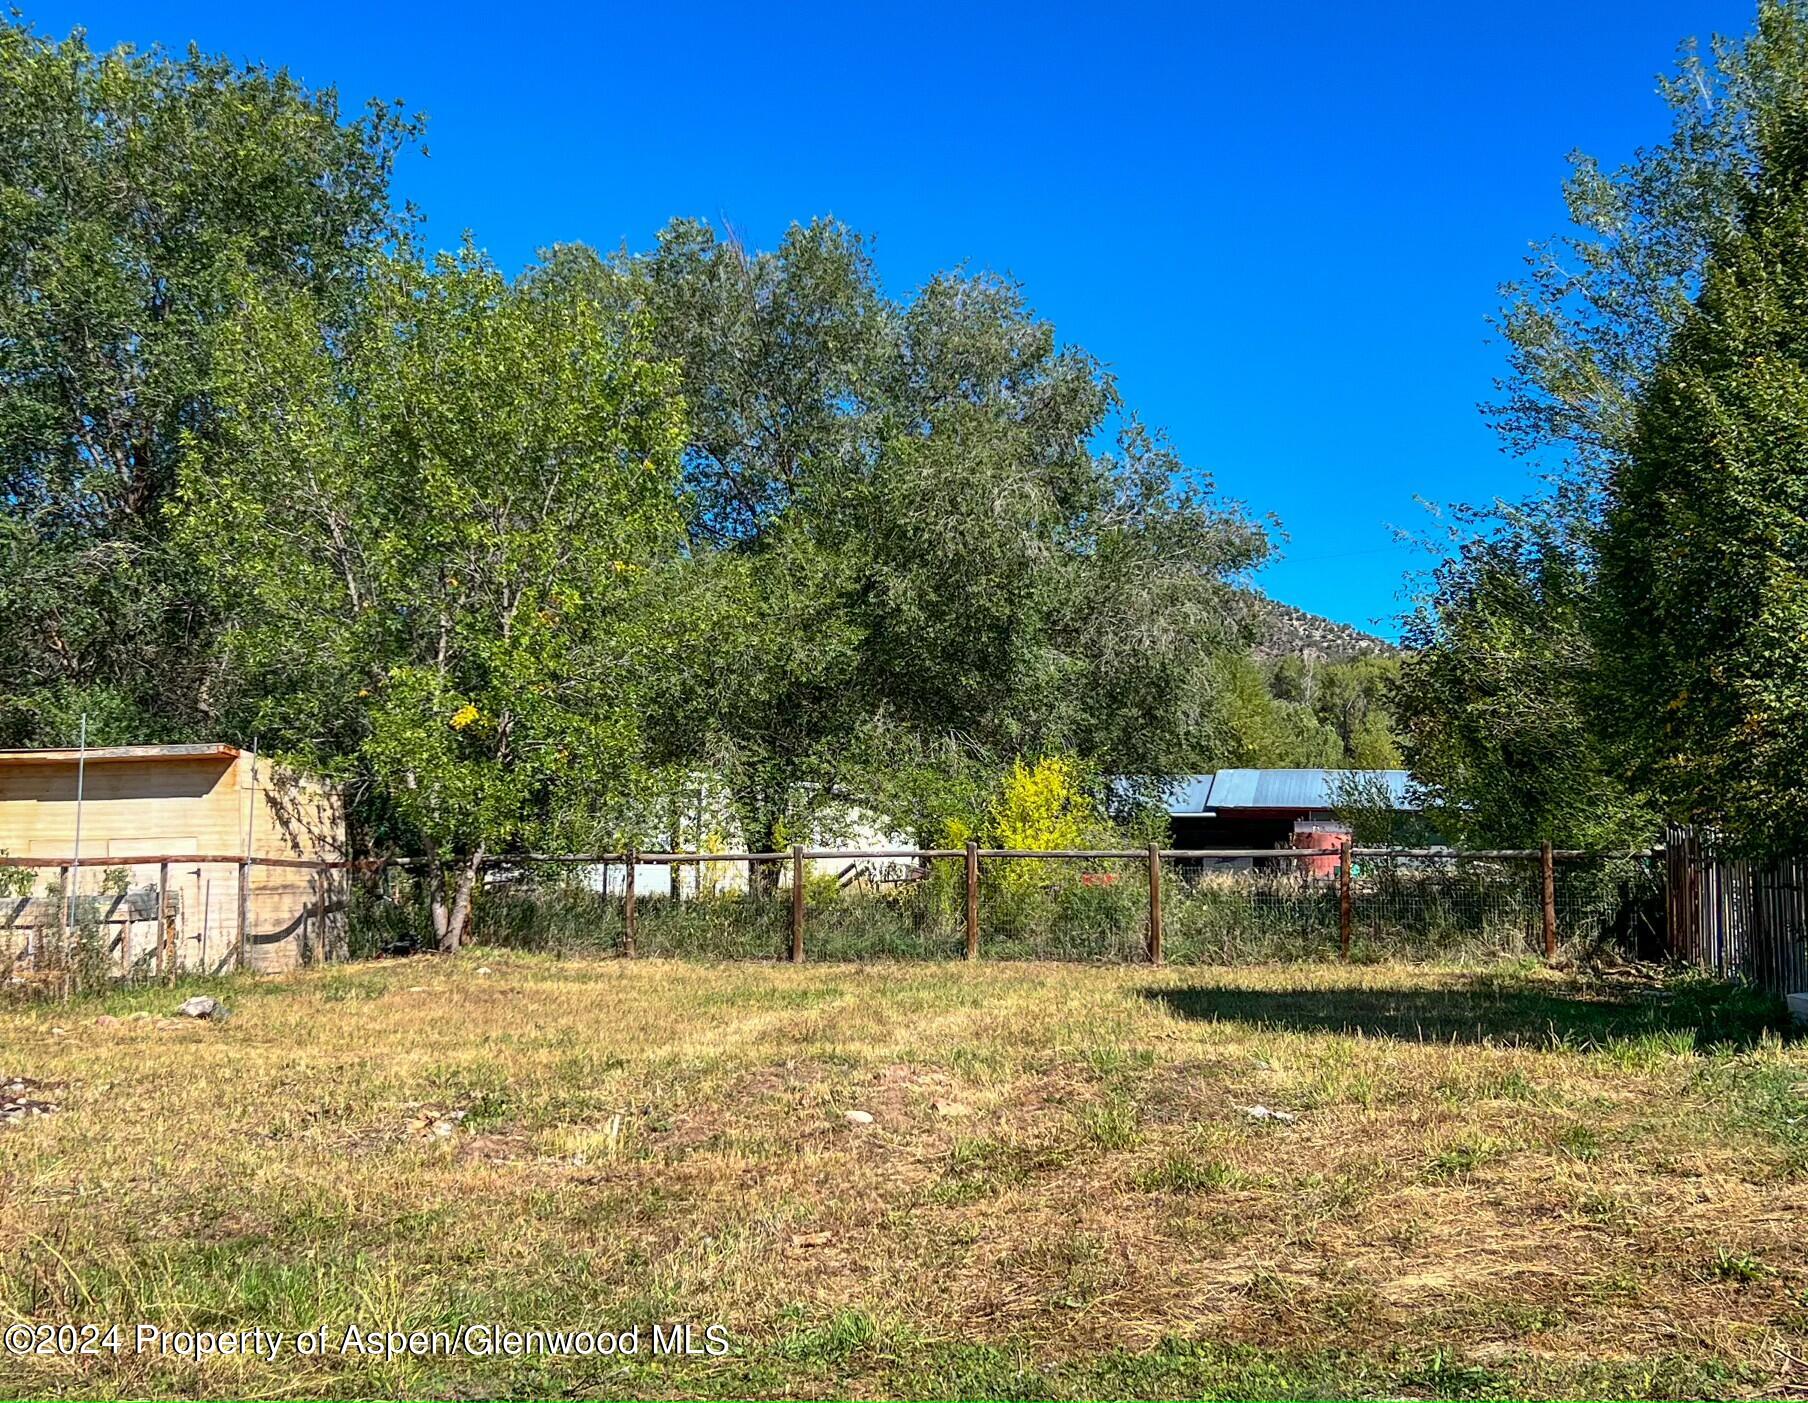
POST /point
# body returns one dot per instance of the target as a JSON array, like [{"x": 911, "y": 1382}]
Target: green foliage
[
  {"x": 1590, "y": 320},
  {"x": 138, "y": 192},
  {"x": 1269, "y": 732},
  {"x": 435, "y": 536},
  {"x": 1496, "y": 695},
  {"x": 1367, "y": 804},
  {"x": 909, "y": 559},
  {"x": 1631, "y": 647},
  {"x": 1704, "y": 553},
  {"x": 1300, "y": 711},
  {"x": 1354, "y": 699},
  {"x": 16, "y": 881},
  {"x": 455, "y": 540}
]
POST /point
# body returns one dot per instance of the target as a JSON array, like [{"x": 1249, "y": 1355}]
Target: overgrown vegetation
[
  {"x": 528, "y": 561},
  {"x": 138, "y": 192},
  {"x": 1091, "y": 911},
  {"x": 1302, "y": 711},
  {"x": 1063, "y": 1190}
]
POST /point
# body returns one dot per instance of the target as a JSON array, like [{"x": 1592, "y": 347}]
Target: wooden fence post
[
  {"x": 1548, "y": 870},
  {"x": 629, "y": 934},
  {"x": 972, "y": 899},
  {"x": 165, "y": 964},
  {"x": 1154, "y": 904},
  {"x": 797, "y": 903},
  {"x": 1346, "y": 906},
  {"x": 244, "y": 909}
]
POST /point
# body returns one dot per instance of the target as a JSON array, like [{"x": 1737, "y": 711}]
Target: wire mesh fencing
[
  {"x": 1446, "y": 904},
  {"x": 1244, "y": 910},
  {"x": 1118, "y": 907},
  {"x": 1179, "y": 907},
  {"x": 883, "y": 908},
  {"x": 1064, "y": 907},
  {"x": 67, "y": 927}
]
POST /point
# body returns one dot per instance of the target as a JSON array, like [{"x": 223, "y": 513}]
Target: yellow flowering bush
[{"x": 1039, "y": 806}]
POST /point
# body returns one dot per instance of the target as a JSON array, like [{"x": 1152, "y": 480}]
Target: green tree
[
  {"x": 1497, "y": 696},
  {"x": 437, "y": 534},
  {"x": 1512, "y": 629},
  {"x": 1350, "y": 698},
  {"x": 909, "y": 555},
  {"x": 1704, "y": 553},
  {"x": 1269, "y": 728},
  {"x": 1588, "y": 322},
  {"x": 137, "y": 191}
]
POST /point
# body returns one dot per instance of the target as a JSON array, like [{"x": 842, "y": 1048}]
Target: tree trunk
[
  {"x": 442, "y": 918},
  {"x": 926, "y": 840},
  {"x": 759, "y": 823},
  {"x": 453, "y": 935}
]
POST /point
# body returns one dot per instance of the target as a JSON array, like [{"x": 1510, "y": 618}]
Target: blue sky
[{"x": 1281, "y": 225}]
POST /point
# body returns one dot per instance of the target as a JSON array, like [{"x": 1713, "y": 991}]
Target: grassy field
[{"x": 1493, "y": 1181}]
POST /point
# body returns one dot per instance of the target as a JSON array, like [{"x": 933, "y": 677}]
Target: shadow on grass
[{"x": 1492, "y": 1008}]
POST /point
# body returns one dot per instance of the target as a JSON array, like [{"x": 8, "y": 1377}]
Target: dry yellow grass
[{"x": 1495, "y": 1180}]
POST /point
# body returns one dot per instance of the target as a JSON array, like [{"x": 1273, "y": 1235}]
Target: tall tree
[
  {"x": 914, "y": 554},
  {"x": 137, "y": 190},
  {"x": 1516, "y": 610},
  {"x": 1704, "y": 554},
  {"x": 1587, "y": 323},
  {"x": 1498, "y": 695},
  {"x": 436, "y": 532}
]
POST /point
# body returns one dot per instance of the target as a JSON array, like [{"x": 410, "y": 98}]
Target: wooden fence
[
  {"x": 1736, "y": 918},
  {"x": 1144, "y": 904},
  {"x": 189, "y": 913}
]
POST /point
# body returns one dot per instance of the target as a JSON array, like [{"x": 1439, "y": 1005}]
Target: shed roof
[
  {"x": 1281, "y": 789},
  {"x": 100, "y": 754}
]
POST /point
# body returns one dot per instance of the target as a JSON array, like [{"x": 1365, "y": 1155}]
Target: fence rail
[
  {"x": 1146, "y": 905},
  {"x": 1179, "y": 905},
  {"x": 159, "y": 915}
]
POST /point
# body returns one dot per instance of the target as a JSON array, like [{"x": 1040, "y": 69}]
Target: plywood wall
[{"x": 183, "y": 804}]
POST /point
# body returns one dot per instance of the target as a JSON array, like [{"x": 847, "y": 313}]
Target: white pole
[
  {"x": 251, "y": 808},
  {"x": 245, "y": 866},
  {"x": 81, "y": 777}
]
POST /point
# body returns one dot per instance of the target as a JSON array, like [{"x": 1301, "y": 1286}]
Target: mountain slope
[{"x": 1284, "y": 631}]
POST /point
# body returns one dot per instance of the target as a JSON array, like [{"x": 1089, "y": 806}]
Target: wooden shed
[{"x": 146, "y": 844}]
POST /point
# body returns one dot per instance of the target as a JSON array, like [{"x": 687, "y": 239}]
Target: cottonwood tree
[
  {"x": 909, "y": 554},
  {"x": 138, "y": 190},
  {"x": 1498, "y": 695},
  {"x": 433, "y": 534}
]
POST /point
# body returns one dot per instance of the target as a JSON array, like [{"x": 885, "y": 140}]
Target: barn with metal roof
[{"x": 1265, "y": 808}]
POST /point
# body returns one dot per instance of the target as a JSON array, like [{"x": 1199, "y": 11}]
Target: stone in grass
[
  {"x": 860, "y": 1117},
  {"x": 17, "y": 1105},
  {"x": 1265, "y": 1113},
  {"x": 203, "y": 1006}
]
